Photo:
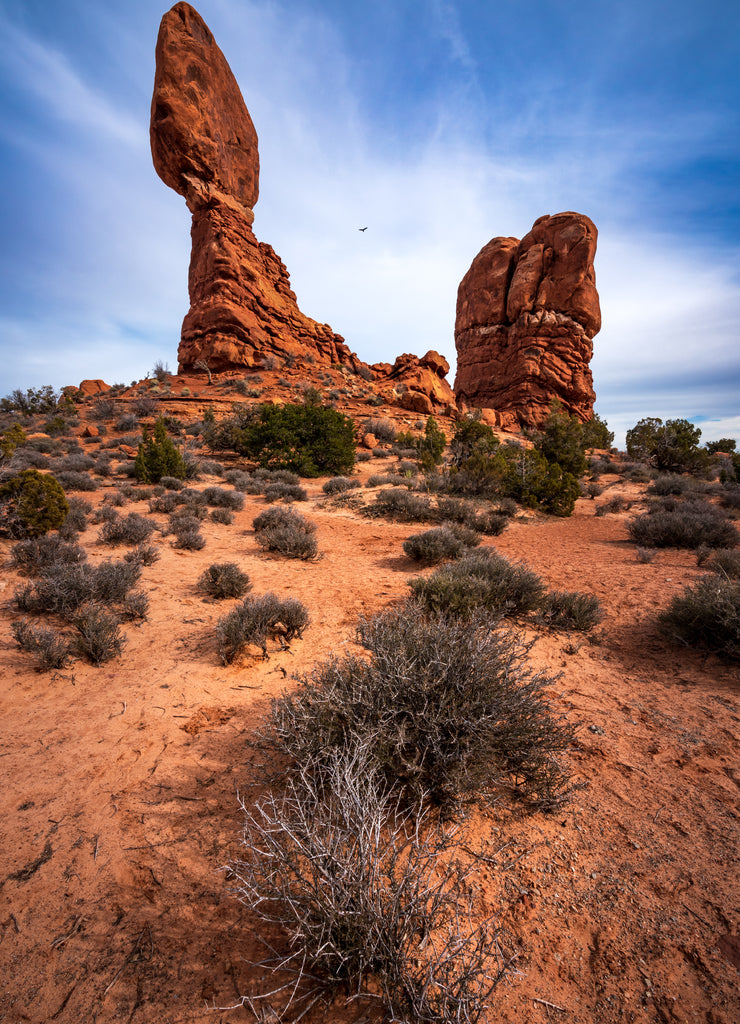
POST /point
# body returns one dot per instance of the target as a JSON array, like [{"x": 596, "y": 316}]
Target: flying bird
[{"x": 362, "y": 229}]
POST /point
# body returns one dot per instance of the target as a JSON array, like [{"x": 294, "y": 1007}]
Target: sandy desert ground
[{"x": 119, "y": 805}]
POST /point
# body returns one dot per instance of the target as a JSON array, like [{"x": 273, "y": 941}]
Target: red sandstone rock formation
[
  {"x": 204, "y": 146},
  {"x": 527, "y": 312}
]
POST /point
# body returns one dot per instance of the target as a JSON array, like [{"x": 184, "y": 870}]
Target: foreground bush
[
  {"x": 61, "y": 590},
  {"x": 257, "y": 620},
  {"x": 130, "y": 529},
  {"x": 360, "y": 885},
  {"x": 99, "y": 637},
  {"x": 286, "y": 532},
  {"x": 224, "y": 579},
  {"x": 446, "y": 708},
  {"x": 31, "y": 504},
  {"x": 480, "y": 581},
  {"x": 683, "y": 525},
  {"x": 707, "y": 614}
]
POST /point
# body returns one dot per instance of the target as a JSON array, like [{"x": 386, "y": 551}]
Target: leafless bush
[
  {"x": 706, "y": 614},
  {"x": 338, "y": 484},
  {"x": 135, "y": 605},
  {"x": 286, "y": 532},
  {"x": 221, "y": 498},
  {"x": 285, "y": 492},
  {"x": 259, "y": 619},
  {"x": 224, "y": 516},
  {"x": 366, "y": 891},
  {"x": 435, "y": 545},
  {"x": 645, "y": 555}
]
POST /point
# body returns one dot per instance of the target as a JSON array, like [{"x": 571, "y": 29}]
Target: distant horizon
[{"x": 436, "y": 125}]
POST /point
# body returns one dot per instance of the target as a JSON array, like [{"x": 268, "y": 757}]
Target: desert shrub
[
  {"x": 446, "y": 708},
  {"x": 685, "y": 525},
  {"x": 117, "y": 498},
  {"x": 129, "y": 421},
  {"x": 104, "y": 513},
  {"x": 480, "y": 581},
  {"x": 224, "y": 516},
  {"x": 707, "y": 614},
  {"x": 673, "y": 445},
  {"x": 285, "y": 492},
  {"x": 364, "y": 922},
  {"x": 99, "y": 636},
  {"x": 103, "y": 409},
  {"x": 49, "y": 648},
  {"x": 255, "y": 621},
  {"x": 60, "y": 593},
  {"x": 130, "y": 529},
  {"x": 11, "y": 438},
  {"x": 36, "y": 555},
  {"x": 337, "y": 484},
  {"x": 71, "y": 480},
  {"x": 380, "y": 479},
  {"x": 400, "y": 503},
  {"x": 76, "y": 462},
  {"x": 670, "y": 483},
  {"x": 597, "y": 466},
  {"x": 562, "y": 442},
  {"x": 26, "y": 458},
  {"x": 472, "y": 437},
  {"x": 222, "y": 498},
  {"x": 135, "y": 606},
  {"x": 645, "y": 555},
  {"x": 730, "y": 496},
  {"x": 725, "y": 561},
  {"x": 240, "y": 480},
  {"x": 31, "y": 504},
  {"x": 172, "y": 483},
  {"x": 188, "y": 536},
  {"x": 224, "y": 579},
  {"x": 596, "y": 433},
  {"x": 434, "y": 545},
  {"x": 289, "y": 539},
  {"x": 161, "y": 371},
  {"x": 158, "y": 456},
  {"x": 166, "y": 503},
  {"x": 615, "y": 504},
  {"x": 593, "y": 490},
  {"x": 568, "y": 609},
  {"x": 36, "y": 400},
  {"x": 143, "y": 554},
  {"x": 383, "y": 429},
  {"x": 111, "y": 581},
  {"x": 76, "y": 520},
  {"x": 308, "y": 439}
]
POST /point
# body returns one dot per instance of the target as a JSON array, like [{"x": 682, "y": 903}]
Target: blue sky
[{"x": 437, "y": 123}]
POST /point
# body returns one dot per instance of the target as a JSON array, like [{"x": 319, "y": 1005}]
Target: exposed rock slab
[{"x": 527, "y": 313}]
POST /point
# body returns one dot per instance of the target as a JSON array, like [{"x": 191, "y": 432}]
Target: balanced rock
[
  {"x": 527, "y": 313},
  {"x": 204, "y": 146}
]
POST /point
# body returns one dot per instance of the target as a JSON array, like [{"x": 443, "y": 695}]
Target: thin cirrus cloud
[{"x": 437, "y": 132}]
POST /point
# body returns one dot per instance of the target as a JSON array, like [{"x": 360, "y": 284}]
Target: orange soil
[{"x": 119, "y": 807}]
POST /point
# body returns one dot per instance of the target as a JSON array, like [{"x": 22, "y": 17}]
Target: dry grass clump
[
  {"x": 367, "y": 892},
  {"x": 707, "y": 614},
  {"x": 447, "y": 708},
  {"x": 286, "y": 532},
  {"x": 62, "y": 590},
  {"x": 224, "y": 579},
  {"x": 255, "y": 621},
  {"x": 688, "y": 524}
]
